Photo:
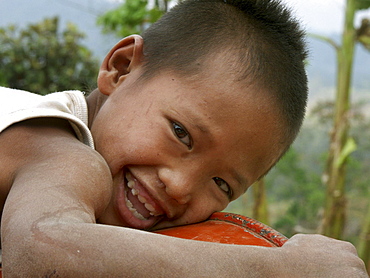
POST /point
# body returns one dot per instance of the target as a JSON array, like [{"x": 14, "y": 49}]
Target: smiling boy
[
  {"x": 181, "y": 154},
  {"x": 184, "y": 120}
]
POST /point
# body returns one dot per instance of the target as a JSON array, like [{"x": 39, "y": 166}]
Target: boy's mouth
[
  {"x": 136, "y": 206},
  {"x": 136, "y": 201}
]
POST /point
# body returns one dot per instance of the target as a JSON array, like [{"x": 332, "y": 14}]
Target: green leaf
[
  {"x": 362, "y": 4},
  {"x": 365, "y": 41},
  {"x": 349, "y": 147},
  {"x": 130, "y": 17}
]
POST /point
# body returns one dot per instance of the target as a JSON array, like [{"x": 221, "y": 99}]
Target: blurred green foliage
[
  {"x": 132, "y": 17},
  {"x": 42, "y": 59}
]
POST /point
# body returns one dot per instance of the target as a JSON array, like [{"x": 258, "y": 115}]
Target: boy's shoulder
[{"x": 47, "y": 150}]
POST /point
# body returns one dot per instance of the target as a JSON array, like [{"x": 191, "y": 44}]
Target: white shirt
[{"x": 17, "y": 106}]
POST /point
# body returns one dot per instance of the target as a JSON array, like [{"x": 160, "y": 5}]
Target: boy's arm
[{"x": 48, "y": 228}]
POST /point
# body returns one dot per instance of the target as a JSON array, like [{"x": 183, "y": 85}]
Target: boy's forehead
[{"x": 220, "y": 63}]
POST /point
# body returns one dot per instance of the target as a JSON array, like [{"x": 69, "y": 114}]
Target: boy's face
[{"x": 181, "y": 149}]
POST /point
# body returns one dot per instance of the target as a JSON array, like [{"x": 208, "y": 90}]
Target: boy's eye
[
  {"x": 182, "y": 134},
  {"x": 224, "y": 186}
]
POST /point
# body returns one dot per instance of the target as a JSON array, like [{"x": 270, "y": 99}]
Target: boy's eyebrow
[
  {"x": 201, "y": 127},
  {"x": 196, "y": 122},
  {"x": 240, "y": 179}
]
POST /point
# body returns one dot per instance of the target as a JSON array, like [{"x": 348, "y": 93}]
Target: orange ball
[{"x": 229, "y": 228}]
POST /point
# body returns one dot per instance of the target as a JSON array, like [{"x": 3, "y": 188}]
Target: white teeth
[
  {"x": 138, "y": 215},
  {"x": 128, "y": 176},
  {"x": 149, "y": 207},
  {"x": 131, "y": 184},
  {"x": 141, "y": 199},
  {"x": 134, "y": 192},
  {"x": 129, "y": 204},
  {"x": 134, "y": 211}
]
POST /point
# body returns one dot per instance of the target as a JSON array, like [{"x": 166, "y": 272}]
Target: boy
[{"x": 184, "y": 120}]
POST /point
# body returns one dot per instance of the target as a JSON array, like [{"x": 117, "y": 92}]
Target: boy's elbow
[
  {"x": 35, "y": 254},
  {"x": 23, "y": 254}
]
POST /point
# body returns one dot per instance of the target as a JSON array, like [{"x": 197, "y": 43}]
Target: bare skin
[{"x": 57, "y": 189}]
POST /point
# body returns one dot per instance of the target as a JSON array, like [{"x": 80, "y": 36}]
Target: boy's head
[
  {"x": 259, "y": 38},
  {"x": 198, "y": 109}
]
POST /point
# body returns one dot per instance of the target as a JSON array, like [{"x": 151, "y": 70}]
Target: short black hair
[{"x": 265, "y": 35}]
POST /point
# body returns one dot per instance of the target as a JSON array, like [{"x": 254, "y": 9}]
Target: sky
[
  {"x": 319, "y": 16},
  {"x": 322, "y": 16}
]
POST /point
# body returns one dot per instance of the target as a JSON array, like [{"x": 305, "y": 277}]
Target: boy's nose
[{"x": 179, "y": 185}]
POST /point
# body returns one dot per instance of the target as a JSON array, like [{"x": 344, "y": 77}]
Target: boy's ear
[{"x": 120, "y": 61}]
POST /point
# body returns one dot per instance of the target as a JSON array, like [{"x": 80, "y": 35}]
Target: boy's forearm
[{"x": 92, "y": 250}]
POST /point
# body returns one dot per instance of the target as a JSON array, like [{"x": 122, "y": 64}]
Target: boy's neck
[{"x": 95, "y": 101}]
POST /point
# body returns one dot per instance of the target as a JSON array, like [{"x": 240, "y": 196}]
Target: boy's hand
[{"x": 320, "y": 256}]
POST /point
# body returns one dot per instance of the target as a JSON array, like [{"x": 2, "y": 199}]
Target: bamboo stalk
[{"x": 334, "y": 177}]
